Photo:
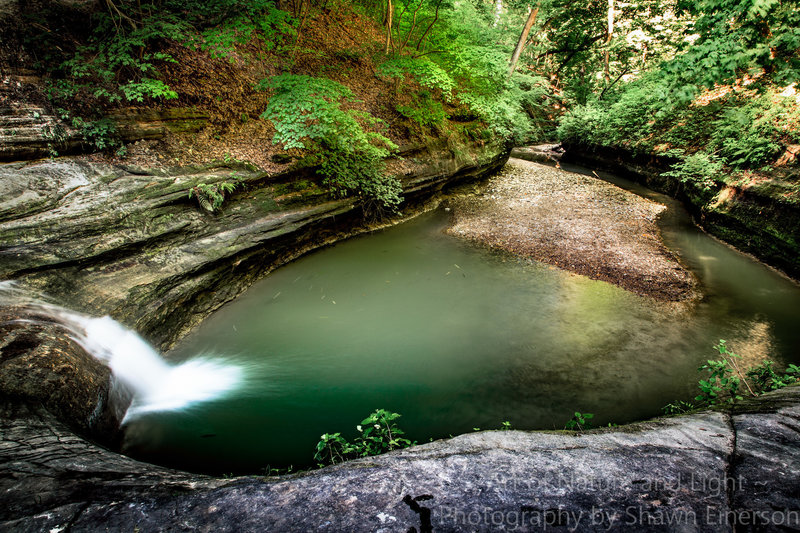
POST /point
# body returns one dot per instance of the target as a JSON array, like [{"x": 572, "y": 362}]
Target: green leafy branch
[{"x": 307, "y": 114}]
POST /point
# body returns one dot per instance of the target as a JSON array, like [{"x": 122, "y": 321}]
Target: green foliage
[
  {"x": 422, "y": 69},
  {"x": 332, "y": 448},
  {"x": 256, "y": 18},
  {"x": 724, "y": 379},
  {"x": 121, "y": 66},
  {"x": 738, "y": 130},
  {"x": 425, "y": 110},
  {"x": 579, "y": 421},
  {"x": 630, "y": 120},
  {"x": 506, "y": 426},
  {"x": 764, "y": 377},
  {"x": 678, "y": 407},
  {"x": 101, "y": 134},
  {"x": 480, "y": 66},
  {"x": 718, "y": 42},
  {"x": 378, "y": 433},
  {"x": 699, "y": 168},
  {"x": 464, "y": 63},
  {"x": 745, "y": 135},
  {"x": 211, "y": 197},
  {"x": 307, "y": 113},
  {"x": 726, "y": 382},
  {"x": 737, "y": 38}
]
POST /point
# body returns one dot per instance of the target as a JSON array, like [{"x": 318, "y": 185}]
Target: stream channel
[{"x": 454, "y": 336}]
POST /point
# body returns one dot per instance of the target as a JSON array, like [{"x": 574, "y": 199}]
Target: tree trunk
[
  {"x": 430, "y": 26},
  {"x": 389, "y": 13},
  {"x": 523, "y": 38},
  {"x": 606, "y": 70}
]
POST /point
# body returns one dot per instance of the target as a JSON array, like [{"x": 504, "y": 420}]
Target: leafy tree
[{"x": 736, "y": 38}]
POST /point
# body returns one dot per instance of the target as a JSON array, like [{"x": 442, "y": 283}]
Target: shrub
[
  {"x": 307, "y": 113},
  {"x": 422, "y": 69},
  {"x": 699, "y": 168},
  {"x": 424, "y": 111},
  {"x": 121, "y": 66},
  {"x": 746, "y": 136},
  {"x": 726, "y": 381}
]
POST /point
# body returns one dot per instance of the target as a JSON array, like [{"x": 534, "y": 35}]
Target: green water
[{"x": 455, "y": 337}]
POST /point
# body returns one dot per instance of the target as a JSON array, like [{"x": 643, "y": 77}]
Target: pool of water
[{"x": 456, "y": 337}]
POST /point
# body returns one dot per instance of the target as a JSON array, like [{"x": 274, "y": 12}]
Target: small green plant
[
  {"x": 380, "y": 434},
  {"x": 211, "y": 197},
  {"x": 101, "y": 134},
  {"x": 678, "y": 407},
  {"x": 724, "y": 379},
  {"x": 766, "y": 379},
  {"x": 505, "y": 426},
  {"x": 269, "y": 470},
  {"x": 726, "y": 382},
  {"x": 377, "y": 434},
  {"x": 56, "y": 137},
  {"x": 579, "y": 421},
  {"x": 332, "y": 448}
]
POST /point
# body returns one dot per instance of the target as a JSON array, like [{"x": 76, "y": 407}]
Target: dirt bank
[{"x": 578, "y": 223}]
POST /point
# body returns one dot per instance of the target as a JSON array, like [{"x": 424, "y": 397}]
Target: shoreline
[{"x": 577, "y": 223}]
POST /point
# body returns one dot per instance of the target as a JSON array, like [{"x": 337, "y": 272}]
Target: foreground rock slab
[
  {"x": 705, "y": 472},
  {"x": 575, "y": 222}
]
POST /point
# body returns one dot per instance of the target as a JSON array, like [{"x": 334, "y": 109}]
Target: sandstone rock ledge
[
  {"x": 577, "y": 223},
  {"x": 711, "y": 471}
]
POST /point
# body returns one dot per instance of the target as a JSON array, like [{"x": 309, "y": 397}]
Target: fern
[{"x": 211, "y": 197}]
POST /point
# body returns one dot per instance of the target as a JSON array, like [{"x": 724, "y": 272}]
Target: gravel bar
[{"x": 577, "y": 223}]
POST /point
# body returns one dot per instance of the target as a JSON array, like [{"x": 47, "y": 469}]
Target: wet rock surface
[
  {"x": 577, "y": 223},
  {"x": 709, "y": 471}
]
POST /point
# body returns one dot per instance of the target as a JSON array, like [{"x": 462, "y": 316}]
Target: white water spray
[{"x": 155, "y": 384}]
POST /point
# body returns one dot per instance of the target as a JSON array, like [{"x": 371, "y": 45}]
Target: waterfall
[{"x": 153, "y": 383}]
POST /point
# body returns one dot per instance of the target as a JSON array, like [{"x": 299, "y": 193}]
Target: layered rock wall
[{"x": 135, "y": 244}]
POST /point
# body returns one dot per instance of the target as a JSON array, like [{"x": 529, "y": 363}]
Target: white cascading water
[{"x": 155, "y": 384}]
